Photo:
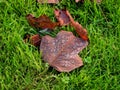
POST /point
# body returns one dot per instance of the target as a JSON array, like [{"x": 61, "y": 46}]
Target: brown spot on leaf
[{"x": 62, "y": 52}]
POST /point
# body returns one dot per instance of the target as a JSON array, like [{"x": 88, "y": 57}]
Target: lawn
[{"x": 21, "y": 64}]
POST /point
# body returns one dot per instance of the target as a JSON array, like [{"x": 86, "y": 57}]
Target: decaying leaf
[
  {"x": 48, "y": 1},
  {"x": 41, "y": 22},
  {"x": 78, "y": 27},
  {"x": 80, "y": 30},
  {"x": 62, "y": 52},
  {"x": 34, "y": 40},
  {"x": 62, "y": 16}
]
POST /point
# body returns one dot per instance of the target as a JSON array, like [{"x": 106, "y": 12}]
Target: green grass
[{"x": 21, "y": 65}]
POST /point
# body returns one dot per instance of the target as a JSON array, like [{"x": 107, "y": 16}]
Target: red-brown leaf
[
  {"x": 41, "y": 22},
  {"x": 78, "y": 27},
  {"x": 34, "y": 40},
  {"x": 62, "y": 52},
  {"x": 80, "y": 30},
  {"x": 62, "y": 16}
]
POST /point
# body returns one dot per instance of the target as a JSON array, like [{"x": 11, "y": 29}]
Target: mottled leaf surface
[{"x": 62, "y": 51}]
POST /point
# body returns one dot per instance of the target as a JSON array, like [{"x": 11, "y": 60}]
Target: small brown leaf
[
  {"x": 62, "y": 17},
  {"x": 48, "y": 1},
  {"x": 34, "y": 40},
  {"x": 41, "y": 22},
  {"x": 62, "y": 52},
  {"x": 80, "y": 30}
]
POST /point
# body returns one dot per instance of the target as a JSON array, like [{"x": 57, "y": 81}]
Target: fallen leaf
[
  {"x": 62, "y": 52},
  {"x": 80, "y": 30},
  {"x": 34, "y": 40},
  {"x": 78, "y": 27},
  {"x": 41, "y": 22},
  {"x": 62, "y": 16},
  {"x": 48, "y": 1}
]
